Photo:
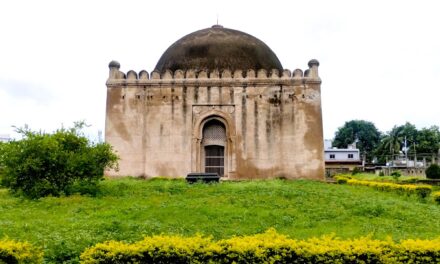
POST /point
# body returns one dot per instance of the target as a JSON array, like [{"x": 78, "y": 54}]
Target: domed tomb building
[{"x": 219, "y": 100}]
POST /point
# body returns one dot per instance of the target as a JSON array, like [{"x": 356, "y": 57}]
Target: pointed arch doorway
[{"x": 213, "y": 145}]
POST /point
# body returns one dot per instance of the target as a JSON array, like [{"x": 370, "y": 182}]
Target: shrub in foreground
[
  {"x": 436, "y": 196},
  {"x": 19, "y": 252},
  {"x": 396, "y": 174},
  {"x": 269, "y": 247},
  {"x": 341, "y": 180},
  {"x": 433, "y": 171},
  {"x": 43, "y": 164}
]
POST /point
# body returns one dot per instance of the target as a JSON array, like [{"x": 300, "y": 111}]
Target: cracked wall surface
[{"x": 273, "y": 122}]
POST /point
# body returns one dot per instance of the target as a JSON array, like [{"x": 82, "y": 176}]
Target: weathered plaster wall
[{"x": 274, "y": 122}]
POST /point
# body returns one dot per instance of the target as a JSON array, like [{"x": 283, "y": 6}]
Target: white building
[
  {"x": 342, "y": 155},
  {"x": 5, "y": 138},
  {"x": 341, "y": 160}
]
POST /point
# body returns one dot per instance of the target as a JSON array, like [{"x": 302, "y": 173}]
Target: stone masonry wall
[{"x": 274, "y": 121}]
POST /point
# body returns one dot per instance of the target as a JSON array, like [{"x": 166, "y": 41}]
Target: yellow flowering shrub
[
  {"x": 341, "y": 179},
  {"x": 417, "y": 251},
  {"x": 329, "y": 249},
  {"x": 269, "y": 247},
  {"x": 436, "y": 196},
  {"x": 420, "y": 190},
  {"x": 155, "y": 249},
  {"x": 19, "y": 252}
]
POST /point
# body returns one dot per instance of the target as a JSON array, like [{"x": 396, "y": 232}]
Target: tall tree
[
  {"x": 409, "y": 134},
  {"x": 428, "y": 141},
  {"x": 394, "y": 141},
  {"x": 390, "y": 143},
  {"x": 363, "y": 132}
]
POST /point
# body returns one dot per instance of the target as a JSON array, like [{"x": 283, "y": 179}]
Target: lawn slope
[{"x": 128, "y": 209}]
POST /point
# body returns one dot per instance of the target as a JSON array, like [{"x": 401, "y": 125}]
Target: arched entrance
[
  {"x": 213, "y": 132},
  {"x": 213, "y": 147}
]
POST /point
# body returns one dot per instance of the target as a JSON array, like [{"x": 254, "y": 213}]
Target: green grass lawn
[{"x": 128, "y": 209}]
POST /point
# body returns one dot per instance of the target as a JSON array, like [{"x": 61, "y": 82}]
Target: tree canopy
[
  {"x": 428, "y": 140},
  {"x": 424, "y": 142},
  {"x": 44, "y": 164},
  {"x": 386, "y": 146},
  {"x": 364, "y": 133}
]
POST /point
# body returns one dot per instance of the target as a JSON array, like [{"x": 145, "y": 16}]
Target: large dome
[{"x": 218, "y": 48}]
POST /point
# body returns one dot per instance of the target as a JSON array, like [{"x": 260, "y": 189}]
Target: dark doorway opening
[
  {"x": 215, "y": 159},
  {"x": 214, "y": 147}
]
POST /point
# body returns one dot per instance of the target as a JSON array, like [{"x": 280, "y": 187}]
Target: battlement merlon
[{"x": 225, "y": 77}]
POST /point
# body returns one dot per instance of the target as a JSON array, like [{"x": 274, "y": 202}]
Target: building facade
[
  {"x": 219, "y": 101},
  {"x": 5, "y": 138},
  {"x": 341, "y": 160}
]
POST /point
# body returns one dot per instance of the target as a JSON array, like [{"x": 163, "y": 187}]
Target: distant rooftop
[
  {"x": 5, "y": 137},
  {"x": 341, "y": 150}
]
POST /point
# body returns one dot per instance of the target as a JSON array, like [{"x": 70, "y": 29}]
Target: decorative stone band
[
  {"x": 261, "y": 76},
  {"x": 212, "y": 82}
]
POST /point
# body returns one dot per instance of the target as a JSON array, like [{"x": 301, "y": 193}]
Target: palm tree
[{"x": 394, "y": 140}]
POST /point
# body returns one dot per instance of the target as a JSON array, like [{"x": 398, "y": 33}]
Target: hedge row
[
  {"x": 436, "y": 196},
  {"x": 19, "y": 252},
  {"x": 269, "y": 247},
  {"x": 420, "y": 190}
]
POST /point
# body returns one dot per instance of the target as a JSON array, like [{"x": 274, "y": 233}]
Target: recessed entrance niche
[{"x": 213, "y": 147}]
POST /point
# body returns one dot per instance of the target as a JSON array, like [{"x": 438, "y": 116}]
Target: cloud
[
  {"x": 26, "y": 90},
  {"x": 379, "y": 59}
]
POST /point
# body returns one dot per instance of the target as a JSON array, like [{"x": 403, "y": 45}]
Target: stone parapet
[
  {"x": 219, "y": 78},
  {"x": 210, "y": 82}
]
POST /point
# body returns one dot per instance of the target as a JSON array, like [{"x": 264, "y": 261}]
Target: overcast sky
[{"x": 380, "y": 60}]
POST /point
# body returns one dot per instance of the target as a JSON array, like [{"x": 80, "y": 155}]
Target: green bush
[
  {"x": 436, "y": 197},
  {"x": 410, "y": 180},
  {"x": 396, "y": 174},
  {"x": 43, "y": 164},
  {"x": 381, "y": 173},
  {"x": 356, "y": 171},
  {"x": 433, "y": 171},
  {"x": 341, "y": 179},
  {"x": 1, "y": 166},
  {"x": 423, "y": 191}
]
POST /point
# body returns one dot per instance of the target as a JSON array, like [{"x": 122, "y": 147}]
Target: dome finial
[
  {"x": 114, "y": 64},
  {"x": 217, "y": 25}
]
